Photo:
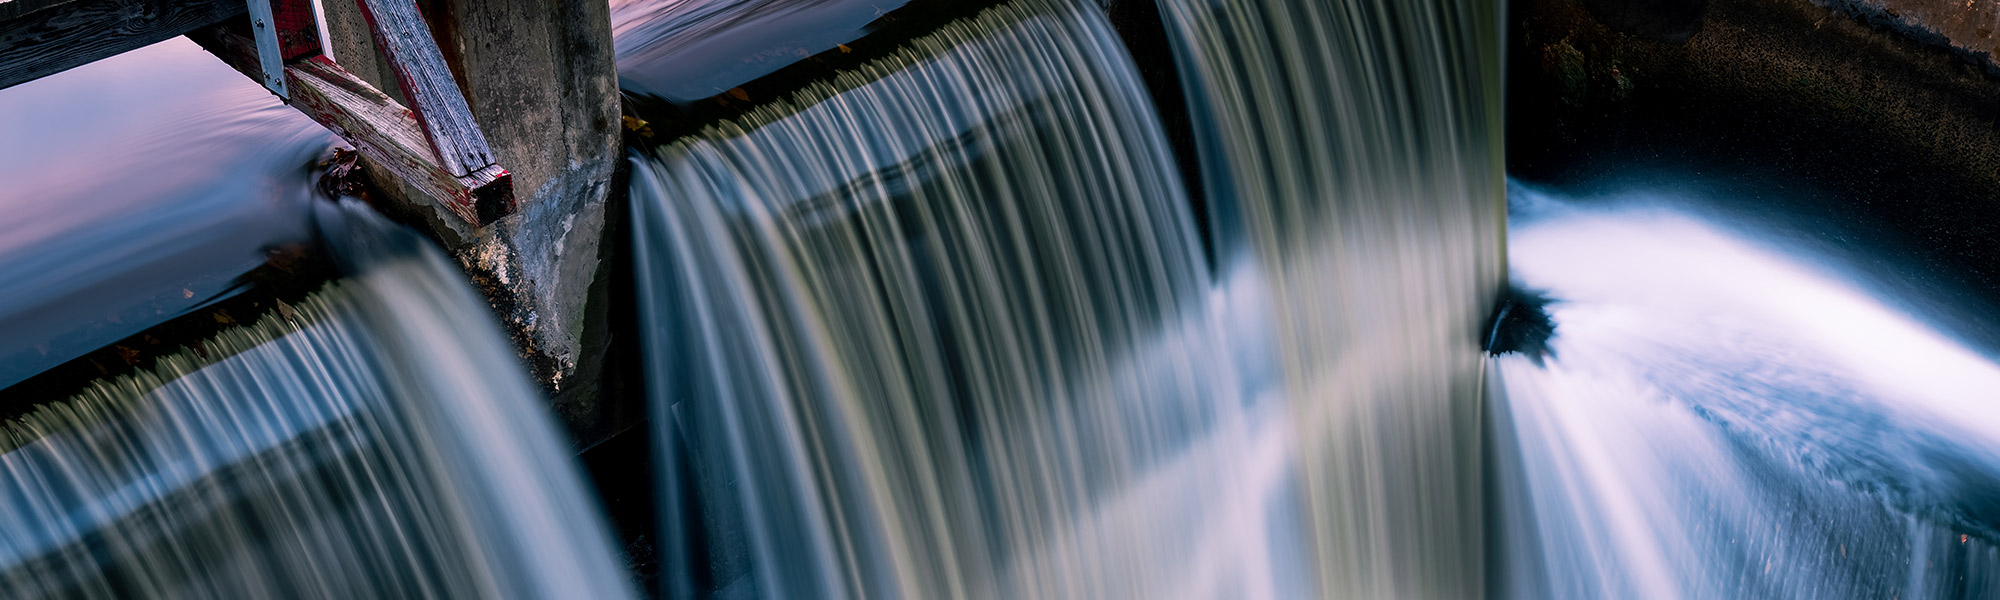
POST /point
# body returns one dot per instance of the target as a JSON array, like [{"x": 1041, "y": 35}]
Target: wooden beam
[
  {"x": 377, "y": 125},
  {"x": 406, "y": 41},
  {"x": 39, "y": 38}
]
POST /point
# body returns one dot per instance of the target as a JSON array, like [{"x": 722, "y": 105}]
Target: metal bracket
[{"x": 264, "y": 29}]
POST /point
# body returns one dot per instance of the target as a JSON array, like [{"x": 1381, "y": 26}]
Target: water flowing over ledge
[
  {"x": 935, "y": 317},
  {"x": 942, "y": 326},
  {"x": 1352, "y": 154},
  {"x": 373, "y": 440}
]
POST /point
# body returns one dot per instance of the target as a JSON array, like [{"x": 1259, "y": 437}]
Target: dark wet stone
[
  {"x": 1659, "y": 20},
  {"x": 1521, "y": 324}
]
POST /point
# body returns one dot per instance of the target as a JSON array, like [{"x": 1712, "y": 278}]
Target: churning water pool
[{"x": 1724, "y": 416}]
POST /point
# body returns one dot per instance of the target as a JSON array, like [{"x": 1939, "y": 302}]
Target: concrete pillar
[{"x": 540, "y": 78}]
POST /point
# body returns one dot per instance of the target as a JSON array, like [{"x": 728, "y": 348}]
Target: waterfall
[
  {"x": 375, "y": 439},
  {"x": 938, "y": 327},
  {"x": 1727, "y": 415},
  {"x": 1352, "y": 154},
  {"x": 942, "y": 325}
]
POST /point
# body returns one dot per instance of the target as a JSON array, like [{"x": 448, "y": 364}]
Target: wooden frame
[
  {"x": 379, "y": 127},
  {"x": 435, "y": 144},
  {"x": 405, "y": 40}
]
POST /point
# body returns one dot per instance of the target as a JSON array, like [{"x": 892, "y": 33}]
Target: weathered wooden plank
[
  {"x": 405, "y": 40},
  {"x": 389, "y": 133},
  {"x": 376, "y": 124},
  {"x": 39, "y": 38}
]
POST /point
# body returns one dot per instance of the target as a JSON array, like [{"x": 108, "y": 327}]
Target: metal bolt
[{"x": 257, "y": 22}]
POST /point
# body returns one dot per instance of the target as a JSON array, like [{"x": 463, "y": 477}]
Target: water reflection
[
  {"x": 688, "y": 50},
  {"x": 136, "y": 188}
]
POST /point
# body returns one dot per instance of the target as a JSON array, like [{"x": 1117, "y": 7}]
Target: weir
[
  {"x": 880, "y": 306},
  {"x": 999, "y": 299},
  {"x": 358, "y": 444},
  {"x": 896, "y": 356},
  {"x": 930, "y": 307},
  {"x": 936, "y": 299},
  {"x": 1352, "y": 154}
]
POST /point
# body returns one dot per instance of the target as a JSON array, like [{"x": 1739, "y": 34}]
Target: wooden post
[
  {"x": 383, "y": 130},
  {"x": 405, "y": 40},
  {"x": 539, "y": 77}
]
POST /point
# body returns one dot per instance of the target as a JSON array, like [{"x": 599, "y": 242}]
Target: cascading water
[
  {"x": 1352, "y": 155},
  {"x": 1724, "y": 418},
  {"x": 944, "y": 324},
  {"x": 374, "y": 440},
  {"x": 939, "y": 319},
  {"x": 941, "y": 326}
]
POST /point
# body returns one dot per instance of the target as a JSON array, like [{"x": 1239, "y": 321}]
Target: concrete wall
[{"x": 540, "y": 78}]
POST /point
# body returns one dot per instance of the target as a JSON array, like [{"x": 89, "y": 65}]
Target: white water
[
  {"x": 1351, "y": 151},
  {"x": 1725, "y": 418},
  {"x": 376, "y": 440},
  {"x": 941, "y": 326}
]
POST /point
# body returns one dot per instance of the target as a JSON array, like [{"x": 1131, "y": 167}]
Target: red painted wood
[{"x": 298, "y": 29}]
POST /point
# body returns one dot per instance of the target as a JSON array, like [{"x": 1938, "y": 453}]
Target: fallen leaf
[
  {"x": 222, "y": 316},
  {"x": 739, "y": 94},
  {"x": 342, "y": 175}
]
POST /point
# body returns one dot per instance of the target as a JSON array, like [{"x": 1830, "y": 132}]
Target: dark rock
[
  {"x": 1658, "y": 20},
  {"x": 1521, "y": 324}
]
